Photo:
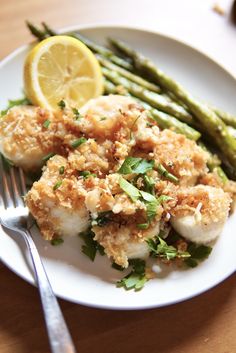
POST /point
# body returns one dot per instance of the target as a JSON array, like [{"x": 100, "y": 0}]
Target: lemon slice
[{"x": 61, "y": 67}]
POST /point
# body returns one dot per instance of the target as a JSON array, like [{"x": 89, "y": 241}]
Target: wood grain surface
[{"x": 205, "y": 324}]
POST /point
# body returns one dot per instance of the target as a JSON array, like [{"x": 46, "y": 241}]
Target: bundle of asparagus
[{"x": 130, "y": 73}]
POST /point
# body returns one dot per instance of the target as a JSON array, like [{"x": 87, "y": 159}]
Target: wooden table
[{"x": 204, "y": 324}]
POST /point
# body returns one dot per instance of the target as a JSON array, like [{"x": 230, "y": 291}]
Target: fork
[{"x": 14, "y": 215}]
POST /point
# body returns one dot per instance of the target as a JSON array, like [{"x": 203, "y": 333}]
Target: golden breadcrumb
[
  {"x": 180, "y": 156},
  {"x": 81, "y": 182}
]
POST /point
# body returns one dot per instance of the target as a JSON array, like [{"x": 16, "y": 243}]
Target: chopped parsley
[
  {"x": 198, "y": 253},
  {"x": 159, "y": 248},
  {"x": 143, "y": 225},
  {"x": 149, "y": 184},
  {"x": 150, "y": 200},
  {"x": 117, "y": 267},
  {"x": 136, "y": 278},
  {"x": 61, "y": 104},
  {"x": 48, "y": 156},
  {"x": 57, "y": 185},
  {"x": 90, "y": 246},
  {"x": 102, "y": 219},
  {"x": 77, "y": 113},
  {"x": 46, "y": 124},
  {"x": 163, "y": 171},
  {"x": 78, "y": 142},
  {"x": 129, "y": 189},
  {"x": 136, "y": 165},
  {"x": 57, "y": 241},
  {"x": 103, "y": 118},
  {"x": 61, "y": 170},
  {"x": 86, "y": 173},
  {"x": 13, "y": 103}
]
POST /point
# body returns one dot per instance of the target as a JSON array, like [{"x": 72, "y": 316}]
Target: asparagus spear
[
  {"x": 129, "y": 75},
  {"x": 228, "y": 118},
  {"x": 211, "y": 122},
  {"x": 214, "y": 163},
  {"x": 165, "y": 121},
  {"x": 152, "y": 98},
  {"x": 40, "y": 35}
]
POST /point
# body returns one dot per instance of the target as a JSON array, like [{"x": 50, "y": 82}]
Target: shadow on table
[{"x": 186, "y": 327}]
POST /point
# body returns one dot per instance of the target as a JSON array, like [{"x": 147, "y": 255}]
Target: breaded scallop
[
  {"x": 122, "y": 243},
  {"x": 117, "y": 118},
  {"x": 28, "y": 134},
  {"x": 57, "y": 201},
  {"x": 200, "y": 213},
  {"x": 181, "y": 157}
]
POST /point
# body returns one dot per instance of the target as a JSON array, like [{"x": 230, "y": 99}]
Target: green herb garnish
[
  {"x": 135, "y": 165},
  {"x": 143, "y": 225},
  {"x": 163, "y": 171},
  {"x": 103, "y": 118},
  {"x": 129, "y": 189},
  {"x": 77, "y": 113},
  {"x": 61, "y": 104},
  {"x": 46, "y": 124},
  {"x": 117, "y": 267},
  {"x": 102, "y": 219},
  {"x": 198, "y": 253},
  {"x": 57, "y": 241},
  {"x": 13, "y": 103},
  {"x": 57, "y": 185},
  {"x": 48, "y": 156},
  {"x": 61, "y": 170},
  {"x": 78, "y": 142},
  {"x": 136, "y": 278},
  {"x": 159, "y": 248},
  {"x": 86, "y": 173},
  {"x": 149, "y": 184},
  {"x": 91, "y": 246}
]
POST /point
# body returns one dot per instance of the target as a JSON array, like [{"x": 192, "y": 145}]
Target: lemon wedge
[{"x": 61, "y": 68}]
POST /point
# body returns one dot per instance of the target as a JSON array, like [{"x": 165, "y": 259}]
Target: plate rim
[{"x": 107, "y": 26}]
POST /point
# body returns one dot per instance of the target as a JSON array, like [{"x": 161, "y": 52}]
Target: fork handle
[{"x": 59, "y": 337}]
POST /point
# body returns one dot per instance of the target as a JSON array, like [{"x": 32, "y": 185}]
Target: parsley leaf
[
  {"x": 48, "y": 156},
  {"x": 159, "y": 248},
  {"x": 102, "y": 219},
  {"x": 149, "y": 184},
  {"x": 57, "y": 241},
  {"x": 163, "y": 171},
  {"x": 13, "y": 103},
  {"x": 91, "y": 246},
  {"x": 143, "y": 225},
  {"x": 86, "y": 174},
  {"x": 135, "y": 165},
  {"x": 78, "y": 142},
  {"x": 77, "y": 113},
  {"x": 57, "y": 185},
  {"x": 129, "y": 189},
  {"x": 136, "y": 278},
  {"x": 61, "y": 170},
  {"x": 61, "y": 104},
  {"x": 117, "y": 267},
  {"x": 46, "y": 124},
  {"x": 198, "y": 253}
]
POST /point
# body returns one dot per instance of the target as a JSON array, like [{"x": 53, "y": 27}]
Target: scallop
[{"x": 203, "y": 222}]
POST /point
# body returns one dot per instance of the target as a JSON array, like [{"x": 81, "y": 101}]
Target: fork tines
[{"x": 12, "y": 182}]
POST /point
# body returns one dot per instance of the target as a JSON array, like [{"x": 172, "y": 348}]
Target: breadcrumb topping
[{"x": 113, "y": 128}]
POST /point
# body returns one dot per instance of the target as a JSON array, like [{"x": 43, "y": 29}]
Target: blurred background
[{"x": 205, "y": 24}]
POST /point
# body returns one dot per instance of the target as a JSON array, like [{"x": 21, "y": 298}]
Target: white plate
[{"x": 73, "y": 276}]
